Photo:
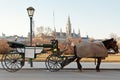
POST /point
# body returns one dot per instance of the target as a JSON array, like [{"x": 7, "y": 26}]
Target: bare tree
[
  {"x": 4, "y": 47},
  {"x": 40, "y": 29},
  {"x": 113, "y": 35},
  {"x": 48, "y": 31}
]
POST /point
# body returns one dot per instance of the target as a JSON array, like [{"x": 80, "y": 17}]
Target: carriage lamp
[{"x": 30, "y": 11}]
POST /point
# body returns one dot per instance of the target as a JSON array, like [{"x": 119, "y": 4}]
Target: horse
[{"x": 98, "y": 50}]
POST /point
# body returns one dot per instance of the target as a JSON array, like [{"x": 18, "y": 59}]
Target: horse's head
[{"x": 111, "y": 44}]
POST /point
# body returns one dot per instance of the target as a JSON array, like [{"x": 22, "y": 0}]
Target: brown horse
[{"x": 92, "y": 50}]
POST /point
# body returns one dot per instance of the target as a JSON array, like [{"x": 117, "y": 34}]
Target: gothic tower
[
  {"x": 79, "y": 33},
  {"x": 61, "y": 32},
  {"x": 54, "y": 32},
  {"x": 68, "y": 28},
  {"x": 54, "y": 29}
]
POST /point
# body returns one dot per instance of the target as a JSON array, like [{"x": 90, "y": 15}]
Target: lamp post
[{"x": 30, "y": 11}]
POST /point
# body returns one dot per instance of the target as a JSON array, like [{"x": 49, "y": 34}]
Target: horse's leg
[
  {"x": 98, "y": 64},
  {"x": 78, "y": 64}
]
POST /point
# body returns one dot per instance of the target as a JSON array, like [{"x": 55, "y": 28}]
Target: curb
[{"x": 71, "y": 69}]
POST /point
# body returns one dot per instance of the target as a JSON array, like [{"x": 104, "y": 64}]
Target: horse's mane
[{"x": 107, "y": 41}]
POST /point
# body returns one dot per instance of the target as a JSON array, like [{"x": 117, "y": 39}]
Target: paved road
[
  {"x": 110, "y": 71},
  {"x": 60, "y": 75}
]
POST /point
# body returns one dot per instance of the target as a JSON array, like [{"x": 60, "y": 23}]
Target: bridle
[{"x": 113, "y": 46}]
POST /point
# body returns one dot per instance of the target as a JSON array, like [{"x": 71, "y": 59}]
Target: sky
[{"x": 95, "y": 18}]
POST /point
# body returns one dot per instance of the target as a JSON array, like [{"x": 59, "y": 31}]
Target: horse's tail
[{"x": 75, "y": 51}]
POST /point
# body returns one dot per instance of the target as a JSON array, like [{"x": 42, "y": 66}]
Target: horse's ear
[{"x": 112, "y": 39}]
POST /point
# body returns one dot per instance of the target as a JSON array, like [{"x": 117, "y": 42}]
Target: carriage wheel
[
  {"x": 53, "y": 62},
  {"x": 12, "y": 62}
]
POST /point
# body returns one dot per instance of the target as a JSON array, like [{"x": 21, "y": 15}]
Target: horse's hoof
[
  {"x": 62, "y": 66},
  {"x": 98, "y": 70},
  {"x": 80, "y": 70}
]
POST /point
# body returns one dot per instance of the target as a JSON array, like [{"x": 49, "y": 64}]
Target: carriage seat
[{"x": 16, "y": 44}]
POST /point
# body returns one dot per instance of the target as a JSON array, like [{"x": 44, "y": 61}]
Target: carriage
[{"x": 15, "y": 59}]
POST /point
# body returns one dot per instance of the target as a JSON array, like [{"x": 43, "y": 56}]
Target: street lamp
[{"x": 30, "y": 11}]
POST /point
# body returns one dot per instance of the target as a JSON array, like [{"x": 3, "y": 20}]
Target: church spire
[
  {"x": 54, "y": 29},
  {"x": 61, "y": 32},
  {"x": 68, "y": 27},
  {"x": 79, "y": 32},
  {"x": 73, "y": 31},
  {"x": 69, "y": 19}
]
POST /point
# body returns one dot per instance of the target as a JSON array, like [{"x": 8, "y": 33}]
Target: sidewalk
[{"x": 73, "y": 65}]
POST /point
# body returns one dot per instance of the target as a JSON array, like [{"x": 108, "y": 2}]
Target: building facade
[{"x": 69, "y": 32}]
